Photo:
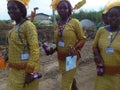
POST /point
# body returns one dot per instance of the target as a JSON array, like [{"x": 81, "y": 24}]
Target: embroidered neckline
[{"x": 61, "y": 26}]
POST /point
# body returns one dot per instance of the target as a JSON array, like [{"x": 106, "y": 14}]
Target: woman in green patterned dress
[{"x": 23, "y": 50}]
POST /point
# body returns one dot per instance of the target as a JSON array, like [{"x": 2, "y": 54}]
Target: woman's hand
[
  {"x": 97, "y": 57},
  {"x": 72, "y": 51},
  {"x": 28, "y": 78},
  {"x": 52, "y": 50}
]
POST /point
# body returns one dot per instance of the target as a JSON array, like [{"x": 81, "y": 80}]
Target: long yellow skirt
[
  {"x": 67, "y": 76},
  {"x": 16, "y": 80},
  {"x": 107, "y": 82}
]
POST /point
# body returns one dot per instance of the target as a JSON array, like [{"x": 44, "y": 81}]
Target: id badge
[
  {"x": 71, "y": 62},
  {"x": 25, "y": 56},
  {"x": 61, "y": 43},
  {"x": 109, "y": 50}
]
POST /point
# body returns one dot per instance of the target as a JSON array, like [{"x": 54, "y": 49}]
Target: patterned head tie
[
  {"x": 77, "y": 6},
  {"x": 24, "y": 2},
  {"x": 110, "y": 5}
]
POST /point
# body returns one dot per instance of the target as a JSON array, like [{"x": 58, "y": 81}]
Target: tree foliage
[{"x": 94, "y": 16}]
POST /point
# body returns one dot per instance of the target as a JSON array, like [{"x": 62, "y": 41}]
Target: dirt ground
[{"x": 51, "y": 77}]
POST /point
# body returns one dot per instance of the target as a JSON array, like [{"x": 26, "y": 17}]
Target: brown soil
[{"x": 51, "y": 77}]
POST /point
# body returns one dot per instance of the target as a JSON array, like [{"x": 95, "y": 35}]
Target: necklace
[{"x": 61, "y": 26}]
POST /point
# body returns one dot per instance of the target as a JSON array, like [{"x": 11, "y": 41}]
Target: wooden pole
[{"x": 54, "y": 18}]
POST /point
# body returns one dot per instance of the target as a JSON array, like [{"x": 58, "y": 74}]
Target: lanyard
[
  {"x": 19, "y": 34},
  {"x": 113, "y": 38},
  {"x": 25, "y": 46},
  {"x": 61, "y": 28}
]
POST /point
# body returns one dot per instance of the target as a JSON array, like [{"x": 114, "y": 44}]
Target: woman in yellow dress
[
  {"x": 69, "y": 38},
  {"x": 23, "y": 49},
  {"x": 106, "y": 48}
]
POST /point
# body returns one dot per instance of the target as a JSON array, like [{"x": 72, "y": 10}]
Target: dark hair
[
  {"x": 69, "y": 6},
  {"x": 104, "y": 15},
  {"x": 116, "y": 7},
  {"x": 22, "y": 8}
]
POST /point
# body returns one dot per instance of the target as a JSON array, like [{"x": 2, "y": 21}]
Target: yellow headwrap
[
  {"x": 111, "y": 5},
  {"x": 24, "y": 2},
  {"x": 77, "y": 6},
  {"x": 54, "y": 4}
]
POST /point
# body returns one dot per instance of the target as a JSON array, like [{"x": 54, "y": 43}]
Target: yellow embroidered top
[
  {"x": 71, "y": 34},
  {"x": 16, "y": 47},
  {"x": 102, "y": 40}
]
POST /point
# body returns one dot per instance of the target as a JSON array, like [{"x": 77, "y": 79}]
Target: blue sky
[{"x": 44, "y": 6}]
